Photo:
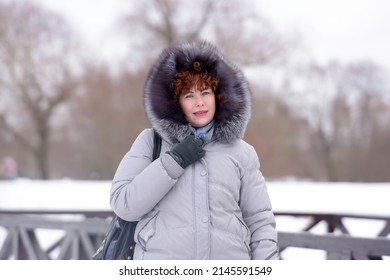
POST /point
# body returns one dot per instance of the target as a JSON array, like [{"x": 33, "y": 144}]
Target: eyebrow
[{"x": 203, "y": 90}]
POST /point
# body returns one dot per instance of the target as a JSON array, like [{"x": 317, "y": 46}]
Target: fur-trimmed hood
[{"x": 167, "y": 118}]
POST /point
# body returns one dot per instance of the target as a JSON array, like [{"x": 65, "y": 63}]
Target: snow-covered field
[{"x": 286, "y": 196}]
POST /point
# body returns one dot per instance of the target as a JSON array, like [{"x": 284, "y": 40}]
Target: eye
[
  {"x": 206, "y": 92},
  {"x": 189, "y": 95}
]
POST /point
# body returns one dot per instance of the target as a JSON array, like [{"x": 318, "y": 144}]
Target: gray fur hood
[{"x": 167, "y": 118}]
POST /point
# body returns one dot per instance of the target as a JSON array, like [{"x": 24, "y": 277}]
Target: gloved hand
[{"x": 188, "y": 151}]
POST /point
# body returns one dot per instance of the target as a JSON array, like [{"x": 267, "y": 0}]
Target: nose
[{"x": 199, "y": 101}]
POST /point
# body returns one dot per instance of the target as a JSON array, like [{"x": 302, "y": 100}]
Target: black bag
[{"x": 119, "y": 242}]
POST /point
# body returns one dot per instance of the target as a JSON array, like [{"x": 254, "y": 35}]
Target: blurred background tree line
[{"x": 62, "y": 114}]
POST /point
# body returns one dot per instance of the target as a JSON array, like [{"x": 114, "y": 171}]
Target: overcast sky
[
  {"x": 346, "y": 30},
  {"x": 343, "y": 30}
]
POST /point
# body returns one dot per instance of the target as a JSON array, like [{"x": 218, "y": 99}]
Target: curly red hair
[{"x": 185, "y": 80}]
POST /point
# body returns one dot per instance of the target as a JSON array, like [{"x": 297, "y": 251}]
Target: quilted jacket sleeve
[
  {"x": 139, "y": 184},
  {"x": 257, "y": 209}
]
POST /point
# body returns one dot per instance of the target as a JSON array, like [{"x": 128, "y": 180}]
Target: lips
[{"x": 201, "y": 113}]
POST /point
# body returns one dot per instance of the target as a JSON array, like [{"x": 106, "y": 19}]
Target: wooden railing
[
  {"x": 74, "y": 235},
  {"x": 338, "y": 247},
  {"x": 336, "y": 222},
  {"x": 77, "y": 234}
]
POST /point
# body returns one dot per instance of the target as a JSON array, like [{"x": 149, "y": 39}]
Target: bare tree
[
  {"x": 341, "y": 105},
  {"x": 245, "y": 36},
  {"x": 279, "y": 135},
  {"x": 107, "y": 115},
  {"x": 368, "y": 148},
  {"x": 38, "y": 75}
]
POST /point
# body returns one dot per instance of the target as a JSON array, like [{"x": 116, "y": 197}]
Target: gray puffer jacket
[{"x": 216, "y": 208}]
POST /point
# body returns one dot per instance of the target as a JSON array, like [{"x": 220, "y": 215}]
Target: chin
[{"x": 198, "y": 125}]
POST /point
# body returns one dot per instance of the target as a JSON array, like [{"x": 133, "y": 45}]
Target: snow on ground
[
  {"x": 23, "y": 194},
  {"x": 289, "y": 196},
  {"x": 286, "y": 196}
]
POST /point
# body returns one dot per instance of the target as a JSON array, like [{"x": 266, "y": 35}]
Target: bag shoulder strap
[{"x": 156, "y": 145}]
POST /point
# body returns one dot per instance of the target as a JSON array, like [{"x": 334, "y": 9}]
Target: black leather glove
[{"x": 188, "y": 151}]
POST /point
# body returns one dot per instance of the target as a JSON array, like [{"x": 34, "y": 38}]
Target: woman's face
[{"x": 198, "y": 106}]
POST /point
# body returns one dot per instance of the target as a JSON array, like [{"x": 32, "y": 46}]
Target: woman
[{"x": 205, "y": 197}]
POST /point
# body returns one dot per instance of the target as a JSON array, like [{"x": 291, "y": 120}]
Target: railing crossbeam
[{"x": 81, "y": 234}]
